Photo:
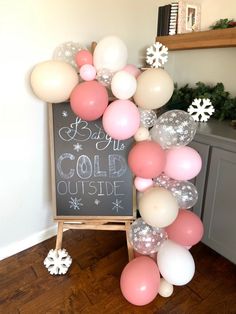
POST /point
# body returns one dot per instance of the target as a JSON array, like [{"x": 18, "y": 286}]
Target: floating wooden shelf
[{"x": 218, "y": 38}]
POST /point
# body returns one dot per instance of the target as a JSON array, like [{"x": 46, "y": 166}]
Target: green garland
[
  {"x": 224, "y": 104},
  {"x": 223, "y": 23}
]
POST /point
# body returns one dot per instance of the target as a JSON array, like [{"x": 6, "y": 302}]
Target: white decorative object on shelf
[
  {"x": 201, "y": 109},
  {"x": 157, "y": 55},
  {"x": 58, "y": 262}
]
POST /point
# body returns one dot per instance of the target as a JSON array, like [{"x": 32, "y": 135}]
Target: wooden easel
[{"x": 122, "y": 225}]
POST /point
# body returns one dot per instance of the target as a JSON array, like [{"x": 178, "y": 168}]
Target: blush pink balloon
[
  {"x": 89, "y": 100},
  {"x": 140, "y": 281},
  {"x": 121, "y": 119},
  {"x": 83, "y": 57},
  {"x": 87, "y": 72},
  {"x": 147, "y": 159},
  {"x": 141, "y": 184},
  {"x": 132, "y": 69},
  {"x": 187, "y": 229},
  {"x": 182, "y": 163}
]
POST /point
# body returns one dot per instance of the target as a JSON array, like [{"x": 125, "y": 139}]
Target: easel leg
[
  {"x": 59, "y": 236},
  {"x": 129, "y": 246}
]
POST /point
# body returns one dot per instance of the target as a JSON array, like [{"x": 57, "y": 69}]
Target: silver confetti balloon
[
  {"x": 162, "y": 180},
  {"x": 185, "y": 193},
  {"x": 147, "y": 117},
  {"x": 66, "y": 52},
  {"x": 174, "y": 128},
  {"x": 104, "y": 76},
  {"x": 146, "y": 239}
]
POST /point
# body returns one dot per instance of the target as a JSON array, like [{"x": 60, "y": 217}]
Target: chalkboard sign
[{"x": 90, "y": 174}]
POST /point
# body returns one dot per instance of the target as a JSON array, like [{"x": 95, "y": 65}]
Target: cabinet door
[
  {"x": 199, "y": 181},
  {"x": 219, "y": 215}
]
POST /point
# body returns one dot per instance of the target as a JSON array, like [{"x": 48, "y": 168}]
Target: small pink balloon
[
  {"x": 83, "y": 57},
  {"x": 132, "y": 69},
  {"x": 140, "y": 281},
  {"x": 182, "y": 163},
  {"x": 186, "y": 230},
  {"x": 87, "y": 72},
  {"x": 121, "y": 119},
  {"x": 141, "y": 184}
]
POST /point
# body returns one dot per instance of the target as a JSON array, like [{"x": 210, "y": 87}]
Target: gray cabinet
[{"x": 216, "y": 184}]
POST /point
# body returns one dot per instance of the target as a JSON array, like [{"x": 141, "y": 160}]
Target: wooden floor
[{"x": 92, "y": 283}]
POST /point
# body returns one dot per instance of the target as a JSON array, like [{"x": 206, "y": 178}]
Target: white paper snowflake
[
  {"x": 201, "y": 109},
  {"x": 157, "y": 55},
  {"x": 58, "y": 262}
]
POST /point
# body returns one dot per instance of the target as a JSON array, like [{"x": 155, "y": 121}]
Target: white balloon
[
  {"x": 142, "y": 134},
  {"x": 166, "y": 289},
  {"x": 175, "y": 263},
  {"x": 53, "y": 81},
  {"x": 123, "y": 85},
  {"x": 110, "y": 53}
]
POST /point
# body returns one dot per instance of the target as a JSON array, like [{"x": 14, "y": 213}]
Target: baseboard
[{"x": 28, "y": 242}]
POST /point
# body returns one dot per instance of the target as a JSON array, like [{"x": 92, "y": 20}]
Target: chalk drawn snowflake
[
  {"x": 117, "y": 205},
  {"x": 157, "y": 55},
  {"x": 201, "y": 109},
  {"x": 75, "y": 203},
  {"x": 57, "y": 262},
  {"x": 97, "y": 202},
  {"x": 78, "y": 147},
  {"x": 64, "y": 113}
]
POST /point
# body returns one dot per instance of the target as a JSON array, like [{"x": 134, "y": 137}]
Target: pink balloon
[
  {"x": 147, "y": 159},
  {"x": 87, "y": 72},
  {"x": 141, "y": 184},
  {"x": 89, "y": 100},
  {"x": 83, "y": 57},
  {"x": 186, "y": 230},
  {"x": 182, "y": 163},
  {"x": 140, "y": 281},
  {"x": 132, "y": 69},
  {"x": 121, "y": 119}
]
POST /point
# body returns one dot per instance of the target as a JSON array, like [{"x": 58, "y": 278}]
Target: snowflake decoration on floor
[
  {"x": 201, "y": 109},
  {"x": 75, "y": 203},
  {"x": 57, "y": 262},
  {"x": 117, "y": 205},
  {"x": 78, "y": 147},
  {"x": 157, "y": 55}
]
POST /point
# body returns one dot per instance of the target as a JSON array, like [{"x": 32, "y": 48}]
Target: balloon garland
[{"x": 161, "y": 161}]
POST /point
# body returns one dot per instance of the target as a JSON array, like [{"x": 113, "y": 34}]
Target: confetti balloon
[
  {"x": 174, "y": 128},
  {"x": 104, "y": 76},
  {"x": 185, "y": 193},
  {"x": 146, "y": 239},
  {"x": 162, "y": 180},
  {"x": 147, "y": 117},
  {"x": 67, "y": 52}
]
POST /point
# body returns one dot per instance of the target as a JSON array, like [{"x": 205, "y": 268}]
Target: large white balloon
[
  {"x": 175, "y": 263},
  {"x": 110, "y": 53},
  {"x": 123, "y": 85},
  {"x": 53, "y": 81}
]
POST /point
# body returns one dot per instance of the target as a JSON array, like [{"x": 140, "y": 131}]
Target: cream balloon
[
  {"x": 110, "y": 53},
  {"x": 175, "y": 263},
  {"x": 158, "y": 207},
  {"x": 53, "y": 81},
  {"x": 123, "y": 85},
  {"x": 154, "y": 89},
  {"x": 166, "y": 289},
  {"x": 142, "y": 134}
]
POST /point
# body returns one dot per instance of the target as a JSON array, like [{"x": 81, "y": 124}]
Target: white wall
[{"x": 29, "y": 32}]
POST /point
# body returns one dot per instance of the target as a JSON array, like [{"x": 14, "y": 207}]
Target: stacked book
[{"x": 167, "y": 19}]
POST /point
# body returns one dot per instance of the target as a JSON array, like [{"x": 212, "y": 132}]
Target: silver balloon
[
  {"x": 185, "y": 193},
  {"x": 66, "y": 52},
  {"x": 147, "y": 117},
  {"x": 162, "y": 180},
  {"x": 104, "y": 76},
  {"x": 146, "y": 239},
  {"x": 174, "y": 128}
]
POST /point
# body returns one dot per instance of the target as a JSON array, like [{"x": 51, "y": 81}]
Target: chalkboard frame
[{"x": 77, "y": 218}]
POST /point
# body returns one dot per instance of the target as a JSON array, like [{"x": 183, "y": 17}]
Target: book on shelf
[{"x": 167, "y": 19}]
